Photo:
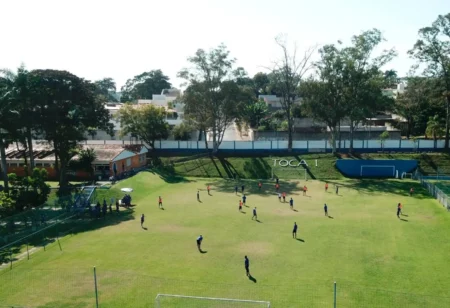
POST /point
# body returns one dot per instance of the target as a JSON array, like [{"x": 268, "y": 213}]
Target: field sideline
[{"x": 376, "y": 259}]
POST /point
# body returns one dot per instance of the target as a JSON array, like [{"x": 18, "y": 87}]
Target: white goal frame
[
  {"x": 157, "y": 301},
  {"x": 294, "y": 168},
  {"x": 405, "y": 174},
  {"x": 394, "y": 173}
]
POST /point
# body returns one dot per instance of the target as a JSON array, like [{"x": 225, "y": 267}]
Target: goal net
[
  {"x": 378, "y": 171},
  {"x": 406, "y": 175},
  {"x": 183, "y": 301}
]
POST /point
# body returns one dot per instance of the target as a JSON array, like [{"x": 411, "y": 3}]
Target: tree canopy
[{"x": 144, "y": 85}]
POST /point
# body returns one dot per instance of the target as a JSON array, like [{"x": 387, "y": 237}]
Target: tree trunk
[
  {"x": 447, "y": 128},
  {"x": 30, "y": 148},
  {"x": 339, "y": 132},
  {"x": 4, "y": 167},
  {"x": 333, "y": 139},
  {"x": 62, "y": 175},
  {"x": 350, "y": 149},
  {"x": 290, "y": 134}
]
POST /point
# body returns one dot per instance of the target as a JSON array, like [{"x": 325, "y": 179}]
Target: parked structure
[{"x": 112, "y": 159}]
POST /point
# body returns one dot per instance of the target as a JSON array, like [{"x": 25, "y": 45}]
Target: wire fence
[
  {"x": 433, "y": 188},
  {"x": 89, "y": 287}
]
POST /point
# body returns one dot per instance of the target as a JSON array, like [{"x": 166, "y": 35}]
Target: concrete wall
[{"x": 357, "y": 135}]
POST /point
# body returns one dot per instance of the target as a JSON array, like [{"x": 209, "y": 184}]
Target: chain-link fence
[
  {"x": 86, "y": 287},
  {"x": 433, "y": 189}
]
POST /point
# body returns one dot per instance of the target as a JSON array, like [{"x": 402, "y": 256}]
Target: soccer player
[
  {"x": 259, "y": 186},
  {"x": 277, "y": 180},
  {"x": 242, "y": 188},
  {"x": 337, "y": 190},
  {"x": 142, "y": 220},
  {"x": 411, "y": 191},
  {"x": 244, "y": 199},
  {"x": 199, "y": 242},
  {"x": 305, "y": 189},
  {"x": 291, "y": 204},
  {"x": 325, "y": 209},
  {"x": 160, "y": 202},
  {"x": 279, "y": 197},
  {"x": 198, "y": 195},
  {"x": 399, "y": 210},
  {"x": 254, "y": 214},
  {"x": 277, "y": 186},
  {"x": 284, "y": 197},
  {"x": 240, "y": 206},
  {"x": 326, "y": 187},
  {"x": 294, "y": 232},
  {"x": 208, "y": 188},
  {"x": 235, "y": 189},
  {"x": 247, "y": 266}
]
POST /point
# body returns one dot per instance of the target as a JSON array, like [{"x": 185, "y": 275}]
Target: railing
[
  {"x": 301, "y": 145},
  {"x": 435, "y": 191}
]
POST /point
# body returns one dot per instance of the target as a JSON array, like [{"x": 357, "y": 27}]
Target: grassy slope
[
  {"x": 363, "y": 245},
  {"x": 260, "y": 168}
]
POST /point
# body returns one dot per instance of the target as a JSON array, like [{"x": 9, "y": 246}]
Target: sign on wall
[{"x": 289, "y": 163}]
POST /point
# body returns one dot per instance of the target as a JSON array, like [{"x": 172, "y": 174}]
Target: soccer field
[{"x": 376, "y": 259}]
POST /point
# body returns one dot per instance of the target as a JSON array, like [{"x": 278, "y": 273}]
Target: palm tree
[
  {"x": 85, "y": 159},
  {"x": 434, "y": 128}
]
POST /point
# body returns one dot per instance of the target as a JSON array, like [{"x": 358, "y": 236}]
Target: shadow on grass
[
  {"x": 301, "y": 240},
  {"x": 75, "y": 225},
  {"x": 167, "y": 173},
  {"x": 251, "y": 187},
  {"x": 376, "y": 186},
  {"x": 251, "y": 278}
]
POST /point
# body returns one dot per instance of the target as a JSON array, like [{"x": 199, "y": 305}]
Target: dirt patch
[{"x": 256, "y": 248}]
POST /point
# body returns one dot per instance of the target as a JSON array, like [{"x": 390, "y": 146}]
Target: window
[{"x": 128, "y": 162}]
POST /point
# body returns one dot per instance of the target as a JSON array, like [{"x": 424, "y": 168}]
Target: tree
[
  {"x": 143, "y": 86},
  {"x": 261, "y": 83},
  {"x": 286, "y": 77},
  {"x": 435, "y": 127},
  {"x": 104, "y": 88},
  {"x": 85, "y": 160},
  {"x": 68, "y": 107},
  {"x": 148, "y": 122},
  {"x": 433, "y": 49},
  {"x": 182, "y": 131},
  {"x": 363, "y": 79},
  {"x": 323, "y": 97},
  {"x": 253, "y": 112},
  {"x": 390, "y": 79},
  {"x": 213, "y": 97},
  {"x": 29, "y": 191},
  {"x": 383, "y": 137}
]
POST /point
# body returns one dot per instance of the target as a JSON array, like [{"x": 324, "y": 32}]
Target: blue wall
[{"x": 374, "y": 168}]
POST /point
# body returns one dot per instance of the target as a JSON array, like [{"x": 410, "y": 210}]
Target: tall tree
[
  {"x": 143, "y": 86},
  {"x": 433, "y": 49},
  {"x": 390, "y": 79},
  {"x": 148, "y": 122},
  {"x": 363, "y": 79},
  {"x": 68, "y": 107},
  {"x": 323, "y": 97},
  {"x": 213, "y": 97},
  {"x": 435, "y": 127},
  {"x": 104, "y": 88},
  {"x": 261, "y": 83},
  {"x": 286, "y": 76}
]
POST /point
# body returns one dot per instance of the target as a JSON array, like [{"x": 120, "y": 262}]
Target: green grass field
[{"x": 376, "y": 259}]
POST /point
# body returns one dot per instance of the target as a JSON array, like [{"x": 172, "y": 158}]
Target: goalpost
[
  {"x": 174, "y": 300},
  {"x": 406, "y": 175},
  {"x": 294, "y": 173},
  {"x": 381, "y": 170}
]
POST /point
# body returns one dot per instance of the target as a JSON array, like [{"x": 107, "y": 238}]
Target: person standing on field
[
  {"x": 247, "y": 266},
  {"x": 160, "y": 202},
  {"x": 199, "y": 242},
  {"x": 305, "y": 189},
  {"x": 337, "y": 190},
  {"x": 198, "y": 195},
  {"x": 240, "y": 206},
  {"x": 284, "y": 197},
  {"x": 259, "y": 185},
  {"x": 235, "y": 189},
  {"x": 244, "y": 199},
  {"x": 209, "y": 189},
  {"x": 326, "y": 187},
  {"x": 291, "y": 204},
  {"x": 411, "y": 191},
  {"x": 294, "y": 231},
  {"x": 254, "y": 214},
  {"x": 142, "y": 220},
  {"x": 325, "y": 209}
]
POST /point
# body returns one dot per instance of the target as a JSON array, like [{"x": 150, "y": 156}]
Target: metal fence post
[
  {"x": 28, "y": 253},
  {"x": 10, "y": 257},
  {"x": 335, "y": 295},
  {"x": 95, "y": 285}
]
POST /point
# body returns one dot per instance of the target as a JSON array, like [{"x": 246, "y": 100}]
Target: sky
[{"x": 94, "y": 39}]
